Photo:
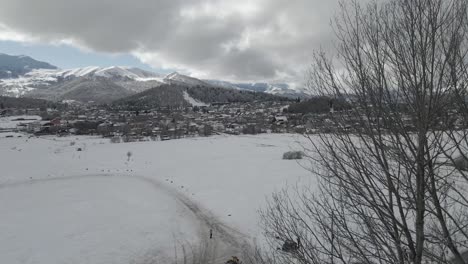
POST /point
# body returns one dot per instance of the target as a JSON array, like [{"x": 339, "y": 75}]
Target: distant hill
[
  {"x": 173, "y": 95},
  {"x": 15, "y": 66}
]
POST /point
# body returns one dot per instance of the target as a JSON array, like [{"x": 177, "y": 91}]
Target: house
[
  {"x": 39, "y": 127},
  {"x": 56, "y": 121},
  {"x": 280, "y": 120}
]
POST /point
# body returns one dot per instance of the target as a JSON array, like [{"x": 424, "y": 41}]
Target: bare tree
[{"x": 387, "y": 191}]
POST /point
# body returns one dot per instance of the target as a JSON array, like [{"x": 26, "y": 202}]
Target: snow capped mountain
[
  {"x": 178, "y": 78},
  {"x": 281, "y": 89},
  {"x": 134, "y": 79},
  {"x": 114, "y": 72},
  {"x": 24, "y": 76},
  {"x": 127, "y": 72}
]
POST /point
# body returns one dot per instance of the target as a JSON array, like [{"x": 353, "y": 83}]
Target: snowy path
[{"x": 226, "y": 241}]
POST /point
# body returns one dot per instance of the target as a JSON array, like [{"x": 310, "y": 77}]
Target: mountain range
[{"x": 22, "y": 76}]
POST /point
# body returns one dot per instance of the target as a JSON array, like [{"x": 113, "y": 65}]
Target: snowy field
[
  {"x": 101, "y": 205},
  {"x": 13, "y": 121}
]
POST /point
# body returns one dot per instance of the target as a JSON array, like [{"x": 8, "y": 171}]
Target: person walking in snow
[{"x": 211, "y": 233}]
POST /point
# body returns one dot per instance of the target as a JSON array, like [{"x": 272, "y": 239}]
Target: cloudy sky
[{"x": 238, "y": 40}]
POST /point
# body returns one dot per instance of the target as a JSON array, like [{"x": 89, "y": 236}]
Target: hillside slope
[
  {"x": 174, "y": 95},
  {"x": 97, "y": 89}
]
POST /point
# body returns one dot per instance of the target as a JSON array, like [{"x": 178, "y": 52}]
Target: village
[{"x": 164, "y": 123}]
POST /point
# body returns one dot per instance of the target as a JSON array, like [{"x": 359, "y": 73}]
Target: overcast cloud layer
[{"x": 232, "y": 39}]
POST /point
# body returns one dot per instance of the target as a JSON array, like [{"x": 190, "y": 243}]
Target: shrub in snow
[
  {"x": 72, "y": 143},
  {"x": 461, "y": 163},
  {"x": 291, "y": 155},
  {"x": 115, "y": 140},
  {"x": 126, "y": 139}
]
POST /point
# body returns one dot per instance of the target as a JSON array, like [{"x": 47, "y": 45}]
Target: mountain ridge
[{"x": 45, "y": 81}]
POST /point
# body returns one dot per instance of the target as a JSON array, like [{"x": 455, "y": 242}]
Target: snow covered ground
[
  {"x": 87, "y": 220},
  {"x": 61, "y": 205},
  {"x": 13, "y": 121},
  {"x": 192, "y": 100}
]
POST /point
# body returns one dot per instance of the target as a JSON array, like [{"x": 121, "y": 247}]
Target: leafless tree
[{"x": 387, "y": 190}]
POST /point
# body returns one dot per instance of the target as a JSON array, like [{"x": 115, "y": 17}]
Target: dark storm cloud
[
  {"x": 103, "y": 25},
  {"x": 238, "y": 39}
]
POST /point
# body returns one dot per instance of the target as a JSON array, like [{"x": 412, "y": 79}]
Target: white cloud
[{"x": 8, "y": 34}]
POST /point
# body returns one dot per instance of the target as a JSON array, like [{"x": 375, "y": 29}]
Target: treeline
[
  {"x": 223, "y": 95},
  {"x": 25, "y": 103}
]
